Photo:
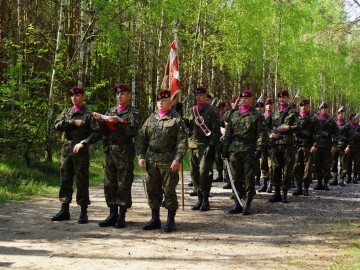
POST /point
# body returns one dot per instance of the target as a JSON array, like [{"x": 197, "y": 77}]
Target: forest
[{"x": 48, "y": 46}]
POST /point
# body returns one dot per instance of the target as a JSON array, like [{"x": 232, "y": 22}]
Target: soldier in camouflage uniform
[
  {"x": 79, "y": 131},
  {"x": 162, "y": 146},
  {"x": 244, "y": 137},
  {"x": 218, "y": 160},
  {"x": 306, "y": 145},
  {"x": 326, "y": 146},
  {"x": 354, "y": 155},
  {"x": 202, "y": 146},
  {"x": 119, "y": 129},
  {"x": 342, "y": 150},
  {"x": 283, "y": 124},
  {"x": 260, "y": 106},
  {"x": 265, "y": 161}
]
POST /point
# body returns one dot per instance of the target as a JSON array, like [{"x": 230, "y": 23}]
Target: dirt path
[{"x": 308, "y": 233}]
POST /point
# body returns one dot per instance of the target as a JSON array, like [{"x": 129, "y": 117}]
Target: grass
[{"x": 19, "y": 182}]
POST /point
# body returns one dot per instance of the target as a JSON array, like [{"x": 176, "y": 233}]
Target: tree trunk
[
  {"x": 82, "y": 44},
  {"x": 50, "y": 120},
  {"x": 133, "y": 52}
]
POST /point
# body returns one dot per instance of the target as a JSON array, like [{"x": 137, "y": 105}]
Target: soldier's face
[
  {"x": 209, "y": 101},
  {"x": 164, "y": 104},
  {"x": 78, "y": 99},
  {"x": 246, "y": 101},
  {"x": 269, "y": 107},
  {"x": 325, "y": 111},
  {"x": 341, "y": 115},
  {"x": 200, "y": 98},
  {"x": 123, "y": 98},
  {"x": 283, "y": 100},
  {"x": 305, "y": 108}
]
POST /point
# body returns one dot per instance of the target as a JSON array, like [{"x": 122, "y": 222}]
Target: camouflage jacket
[
  {"x": 355, "y": 143},
  {"x": 345, "y": 137},
  {"x": 310, "y": 130},
  {"x": 122, "y": 133},
  {"x": 86, "y": 134},
  {"x": 291, "y": 119},
  {"x": 163, "y": 139},
  {"x": 211, "y": 120},
  {"x": 244, "y": 132},
  {"x": 329, "y": 133}
]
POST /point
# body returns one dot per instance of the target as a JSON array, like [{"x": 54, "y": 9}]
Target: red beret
[
  {"x": 122, "y": 87},
  {"x": 269, "y": 101},
  {"x": 246, "y": 93},
  {"x": 200, "y": 90},
  {"x": 163, "y": 94},
  {"x": 76, "y": 90},
  {"x": 222, "y": 105},
  {"x": 304, "y": 102},
  {"x": 324, "y": 105},
  {"x": 283, "y": 93},
  {"x": 209, "y": 96},
  {"x": 352, "y": 116},
  {"x": 259, "y": 105}
]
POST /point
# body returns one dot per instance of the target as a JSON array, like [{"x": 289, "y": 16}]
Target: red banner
[{"x": 171, "y": 79}]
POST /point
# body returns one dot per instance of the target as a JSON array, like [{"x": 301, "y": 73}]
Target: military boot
[
  {"x": 277, "y": 195},
  {"x": 220, "y": 177},
  {"x": 154, "y": 222},
  {"x": 334, "y": 181},
  {"x": 341, "y": 183},
  {"x": 355, "y": 179},
  {"x": 170, "y": 223},
  {"x": 237, "y": 208},
  {"x": 247, "y": 210},
  {"x": 205, "y": 206},
  {"x": 348, "y": 180},
  {"x": 120, "y": 222},
  {"x": 264, "y": 186},
  {"x": 284, "y": 196},
  {"x": 111, "y": 219},
  {"x": 83, "y": 218},
  {"x": 306, "y": 190},
  {"x": 193, "y": 193},
  {"x": 64, "y": 213},
  {"x": 190, "y": 184},
  {"x": 199, "y": 202},
  {"x": 269, "y": 190},
  {"x": 257, "y": 180},
  {"x": 299, "y": 190},
  {"x": 326, "y": 186},
  {"x": 319, "y": 185}
]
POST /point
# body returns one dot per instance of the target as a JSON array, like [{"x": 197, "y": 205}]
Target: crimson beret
[
  {"x": 163, "y": 94},
  {"x": 269, "y": 101},
  {"x": 246, "y": 93},
  {"x": 222, "y": 105},
  {"x": 122, "y": 87},
  {"x": 352, "y": 116},
  {"x": 283, "y": 93},
  {"x": 304, "y": 102},
  {"x": 209, "y": 96},
  {"x": 200, "y": 90},
  {"x": 77, "y": 90},
  {"x": 259, "y": 105},
  {"x": 324, "y": 105}
]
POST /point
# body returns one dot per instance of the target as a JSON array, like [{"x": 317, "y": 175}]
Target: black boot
[
  {"x": 277, "y": 195},
  {"x": 64, "y": 213},
  {"x": 154, "y": 222},
  {"x": 355, "y": 179},
  {"x": 326, "y": 185},
  {"x": 120, "y": 222},
  {"x": 257, "y": 180},
  {"x": 237, "y": 208},
  {"x": 199, "y": 202},
  {"x": 306, "y": 190},
  {"x": 349, "y": 180},
  {"x": 220, "y": 177},
  {"x": 269, "y": 190},
  {"x": 334, "y": 181},
  {"x": 264, "y": 187},
  {"x": 298, "y": 191},
  {"x": 284, "y": 196},
  {"x": 111, "y": 219},
  {"x": 83, "y": 218},
  {"x": 205, "y": 206},
  {"x": 193, "y": 193},
  {"x": 341, "y": 183},
  {"x": 247, "y": 210},
  {"x": 170, "y": 223},
  {"x": 319, "y": 185}
]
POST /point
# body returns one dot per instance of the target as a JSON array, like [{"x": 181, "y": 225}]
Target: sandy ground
[{"x": 308, "y": 233}]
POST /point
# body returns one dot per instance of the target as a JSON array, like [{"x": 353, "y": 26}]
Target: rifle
[
  {"x": 325, "y": 134},
  {"x": 257, "y": 101}
]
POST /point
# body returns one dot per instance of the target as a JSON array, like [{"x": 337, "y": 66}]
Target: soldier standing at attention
[
  {"x": 342, "y": 150},
  {"x": 218, "y": 160},
  {"x": 79, "y": 131},
  {"x": 244, "y": 137},
  {"x": 162, "y": 146},
  {"x": 118, "y": 130},
  {"x": 326, "y": 146},
  {"x": 204, "y": 133},
  {"x": 265, "y": 161},
  {"x": 283, "y": 124},
  {"x": 354, "y": 155},
  {"x": 307, "y": 139}
]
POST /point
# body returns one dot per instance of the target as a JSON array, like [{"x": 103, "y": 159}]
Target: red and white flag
[{"x": 171, "y": 79}]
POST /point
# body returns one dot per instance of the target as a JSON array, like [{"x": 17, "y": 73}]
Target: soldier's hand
[
  {"x": 313, "y": 149},
  {"x": 114, "y": 119},
  {"x": 175, "y": 165},
  {"x": 77, "y": 147},
  {"x": 347, "y": 150},
  {"x": 283, "y": 128},
  {"x": 333, "y": 149},
  {"x": 236, "y": 103},
  {"x": 209, "y": 151},
  {"x": 273, "y": 136},
  {"x": 142, "y": 163},
  {"x": 257, "y": 154},
  {"x": 97, "y": 116},
  {"x": 79, "y": 122}
]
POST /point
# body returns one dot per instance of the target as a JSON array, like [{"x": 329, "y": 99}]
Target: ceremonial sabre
[{"x": 232, "y": 182}]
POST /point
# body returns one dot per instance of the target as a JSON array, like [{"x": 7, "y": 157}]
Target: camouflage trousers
[
  {"x": 119, "y": 174},
  {"x": 242, "y": 165},
  {"x": 339, "y": 154},
  {"x": 201, "y": 170},
  {"x": 265, "y": 163},
  {"x": 353, "y": 164},
  {"x": 322, "y": 160},
  {"x": 282, "y": 161},
  {"x": 219, "y": 163},
  {"x": 161, "y": 181},
  {"x": 303, "y": 165},
  {"x": 74, "y": 166}
]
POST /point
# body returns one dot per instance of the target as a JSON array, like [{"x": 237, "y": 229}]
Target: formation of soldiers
[{"x": 285, "y": 145}]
